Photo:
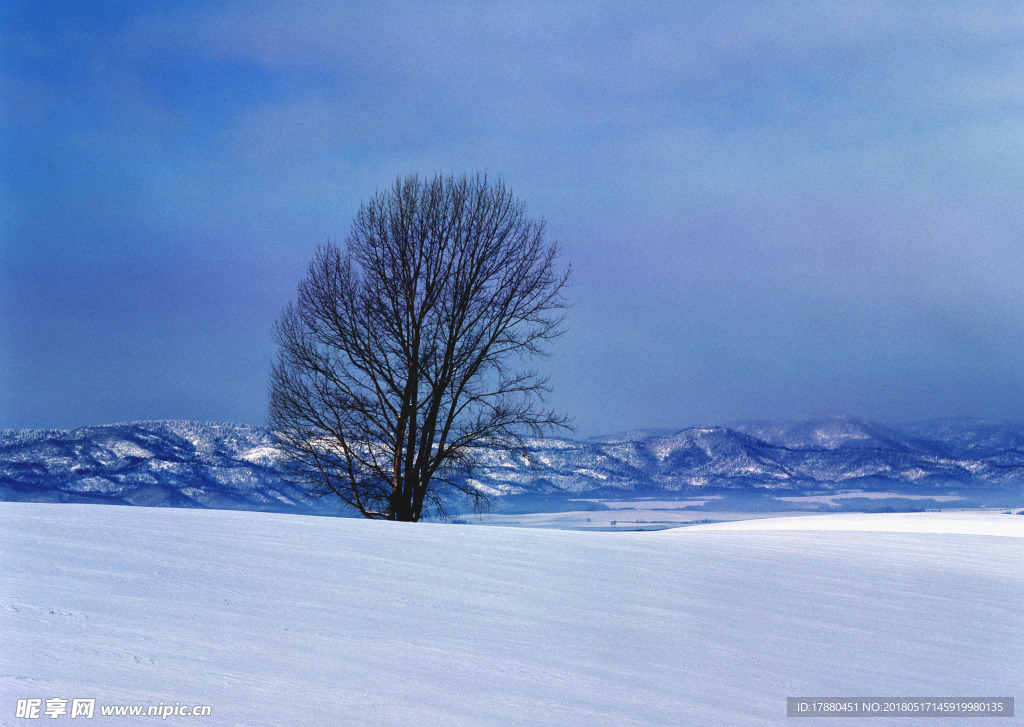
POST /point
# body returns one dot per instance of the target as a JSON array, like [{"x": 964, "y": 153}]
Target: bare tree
[{"x": 399, "y": 364}]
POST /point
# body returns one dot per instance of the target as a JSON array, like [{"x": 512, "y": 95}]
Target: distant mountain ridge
[
  {"x": 824, "y": 454},
  {"x": 160, "y": 463},
  {"x": 231, "y": 466}
]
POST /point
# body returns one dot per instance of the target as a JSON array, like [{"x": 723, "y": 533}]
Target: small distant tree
[{"x": 400, "y": 361}]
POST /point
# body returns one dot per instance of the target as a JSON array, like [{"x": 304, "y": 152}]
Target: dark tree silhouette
[{"x": 399, "y": 364}]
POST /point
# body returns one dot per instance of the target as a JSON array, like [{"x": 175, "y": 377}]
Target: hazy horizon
[{"x": 639, "y": 431}]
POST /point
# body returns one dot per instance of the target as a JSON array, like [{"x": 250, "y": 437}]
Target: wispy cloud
[{"x": 808, "y": 192}]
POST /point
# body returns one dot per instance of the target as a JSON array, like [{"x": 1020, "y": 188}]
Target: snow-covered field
[{"x": 299, "y": 620}]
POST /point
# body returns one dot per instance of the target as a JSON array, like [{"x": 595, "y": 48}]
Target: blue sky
[{"x": 772, "y": 209}]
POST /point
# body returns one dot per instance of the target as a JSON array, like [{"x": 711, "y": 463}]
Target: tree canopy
[{"x": 405, "y": 354}]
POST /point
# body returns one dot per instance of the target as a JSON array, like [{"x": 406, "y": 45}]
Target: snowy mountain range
[
  {"x": 162, "y": 463},
  {"x": 229, "y": 466}
]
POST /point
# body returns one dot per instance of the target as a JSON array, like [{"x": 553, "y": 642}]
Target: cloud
[{"x": 754, "y": 195}]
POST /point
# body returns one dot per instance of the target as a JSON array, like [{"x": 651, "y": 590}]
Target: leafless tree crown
[{"x": 399, "y": 363}]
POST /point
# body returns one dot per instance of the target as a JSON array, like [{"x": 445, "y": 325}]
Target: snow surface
[
  {"x": 960, "y": 522},
  {"x": 299, "y": 620}
]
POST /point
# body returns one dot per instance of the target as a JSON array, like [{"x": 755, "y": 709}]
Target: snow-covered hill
[
  {"x": 273, "y": 619},
  {"x": 233, "y": 466},
  {"x": 172, "y": 463}
]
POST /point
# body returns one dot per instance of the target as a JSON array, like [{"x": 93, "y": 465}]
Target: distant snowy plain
[{"x": 278, "y": 619}]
